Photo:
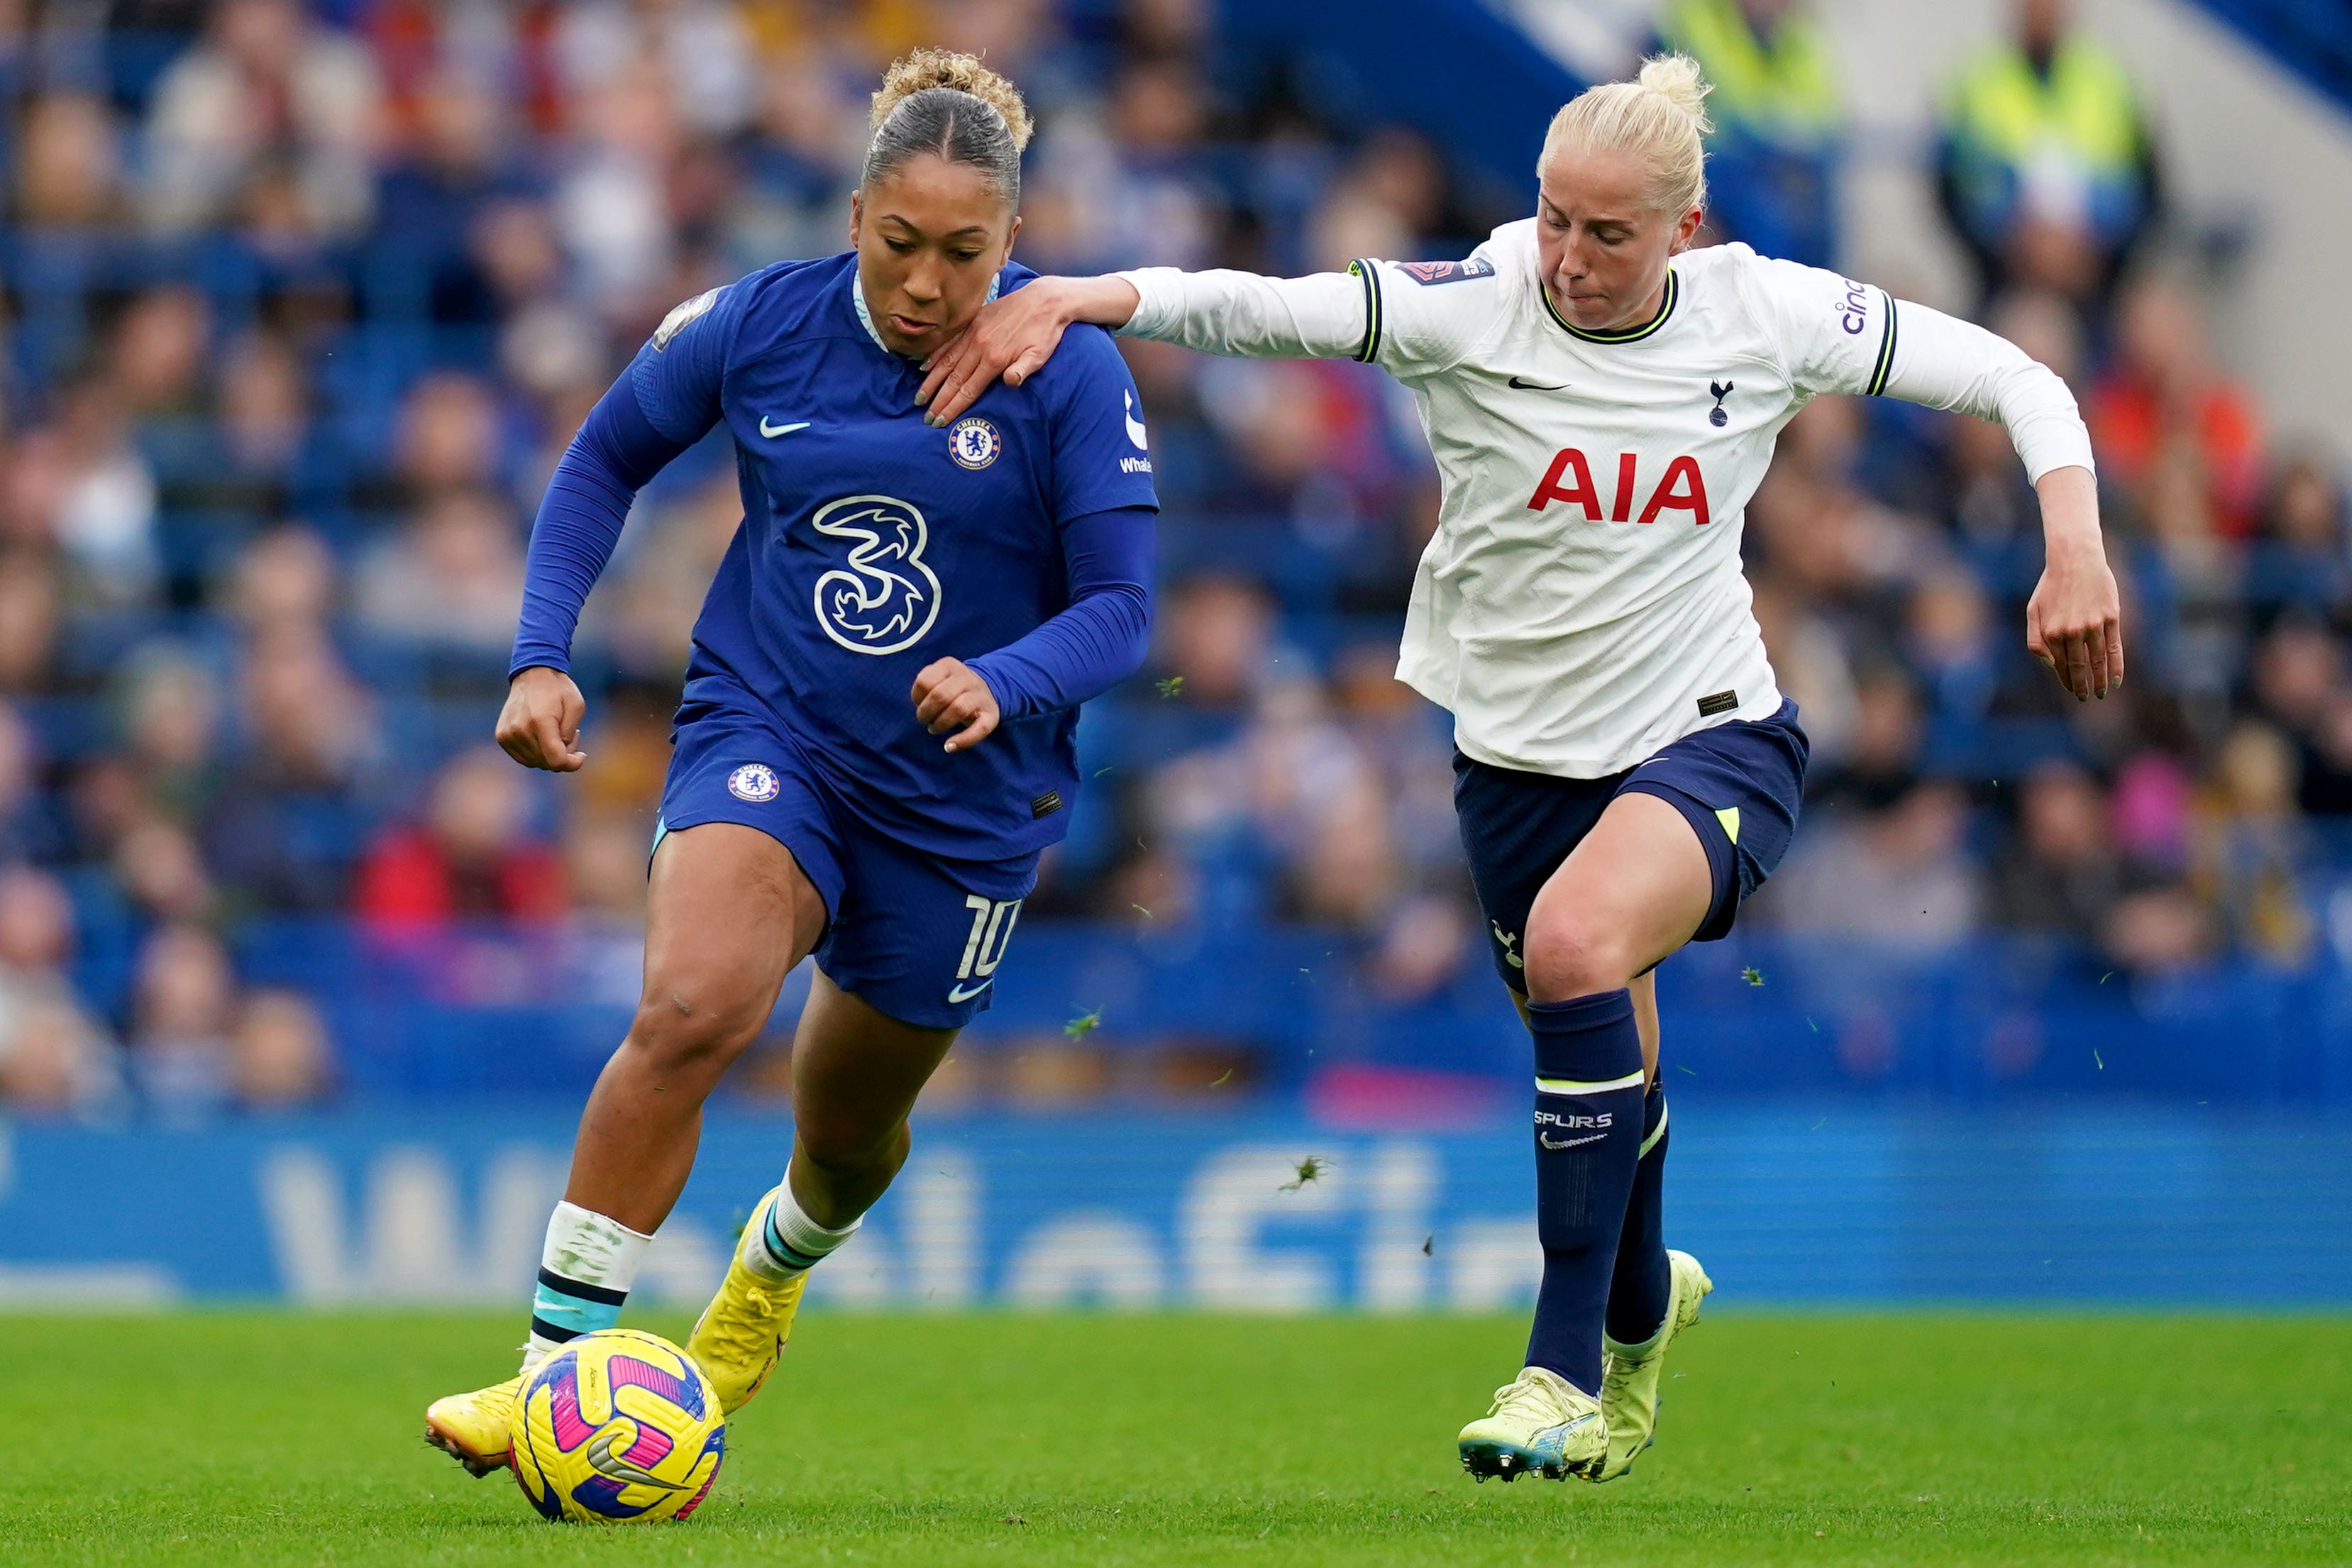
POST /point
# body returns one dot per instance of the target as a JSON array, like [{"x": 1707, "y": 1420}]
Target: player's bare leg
[
  {"x": 855, "y": 1074},
  {"x": 727, "y": 914},
  {"x": 1635, "y": 889}
]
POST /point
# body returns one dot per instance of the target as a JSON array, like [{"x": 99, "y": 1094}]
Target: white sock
[
  {"x": 584, "y": 1273},
  {"x": 789, "y": 1243}
]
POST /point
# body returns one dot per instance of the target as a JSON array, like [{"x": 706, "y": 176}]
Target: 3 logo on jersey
[{"x": 884, "y": 596}]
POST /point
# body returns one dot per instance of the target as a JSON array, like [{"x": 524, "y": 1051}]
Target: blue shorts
[
  {"x": 916, "y": 936},
  {"x": 1738, "y": 784}
]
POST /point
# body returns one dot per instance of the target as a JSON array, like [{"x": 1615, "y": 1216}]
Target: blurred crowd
[{"x": 302, "y": 302}]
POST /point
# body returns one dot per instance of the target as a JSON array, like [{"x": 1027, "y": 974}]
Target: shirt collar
[{"x": 865, "y": 316}]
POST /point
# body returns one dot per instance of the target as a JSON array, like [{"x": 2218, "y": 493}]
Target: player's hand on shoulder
[
  {"x": 951, "y": 695},
  {"x": 1008, "y": 340},
  {"x": 540, "y": 725}
]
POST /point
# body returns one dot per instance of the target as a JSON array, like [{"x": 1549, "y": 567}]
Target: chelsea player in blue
[{"x": 874, "y": 739}]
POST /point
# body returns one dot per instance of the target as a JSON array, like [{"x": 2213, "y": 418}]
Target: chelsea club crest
[
  {"x": 754, "y": 782},
  {"x": 974, "y": 443}
]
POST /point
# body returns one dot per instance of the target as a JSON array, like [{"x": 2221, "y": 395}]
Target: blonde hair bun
[
  {"x": 931, "y": 68},
  {"x": 1677, "y": 78},
  {"x": 1659, "y": 118}
]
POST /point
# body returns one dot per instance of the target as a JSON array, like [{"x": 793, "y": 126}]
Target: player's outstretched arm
[
  {"x": 661, "y": 406},
  {"x": 1013, "y": 336},
  {"x": 2072, "y": 623},
  {"x": 1325, "y": 316},
  {"x": 540, "y": 725}
]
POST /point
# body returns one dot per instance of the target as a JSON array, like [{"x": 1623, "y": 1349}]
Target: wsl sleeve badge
[
  {"x": 617, "y": 1427},
  {"x": 973, "y": 443}
]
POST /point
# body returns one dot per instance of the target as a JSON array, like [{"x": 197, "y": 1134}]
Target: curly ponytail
[
  {"x": 935, "y": 100},
  {"x": 1660, "y": 117}
]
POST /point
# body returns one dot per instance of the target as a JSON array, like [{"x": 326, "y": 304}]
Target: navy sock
[
  {"x": 1642, "y": 1285},
  {"x": 1588, "y": 1142}
]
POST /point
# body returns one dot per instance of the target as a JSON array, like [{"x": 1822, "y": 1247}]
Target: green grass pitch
[{"x": 280, "y": 1438}]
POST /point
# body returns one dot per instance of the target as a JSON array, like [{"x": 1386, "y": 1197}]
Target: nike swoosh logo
[
  {"x": 605, "y": 1462},
  {"x": 960, "y": 994},
  {"x": 771, "y": 431},
  {"x": 1538, "y": 385},
  {"x": 1545, "y": 1139}
]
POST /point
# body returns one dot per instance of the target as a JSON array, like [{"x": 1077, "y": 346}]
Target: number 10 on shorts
[{"x": 991, "y": 930}]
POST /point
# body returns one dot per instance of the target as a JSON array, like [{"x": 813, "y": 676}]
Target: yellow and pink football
[{"x": 618, "y": 1426}]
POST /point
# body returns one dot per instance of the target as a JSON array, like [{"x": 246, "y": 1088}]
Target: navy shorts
[
  {"x": 916, "y": 936},
  {"x": 1738, "y": 784}
]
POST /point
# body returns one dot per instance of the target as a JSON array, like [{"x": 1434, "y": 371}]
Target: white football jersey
[{"x": 1581, "y": 603}]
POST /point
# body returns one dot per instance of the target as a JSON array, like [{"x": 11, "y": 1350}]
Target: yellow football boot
[
  {"x": 1629, "y": 1386},
  {"x": 475, "y": 1428},
  {"x": 740, "y": 1336},
  {"x": 1542, "y": 1425}
]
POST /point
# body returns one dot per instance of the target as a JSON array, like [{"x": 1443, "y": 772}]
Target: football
[{"x": 617, "y": 1427}]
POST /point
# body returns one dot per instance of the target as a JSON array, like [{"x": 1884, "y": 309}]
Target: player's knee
[
  {"x": 683, "y": 1027},
  {"x": 1576, "y": 954}
]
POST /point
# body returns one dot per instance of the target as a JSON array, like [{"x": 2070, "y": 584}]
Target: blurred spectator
[
  {"x": 29, "y": 830},
  {"x": 161, "y": 872},
  {"x": 2253, "y": 845},
  {"x": 450, "y": 431},
  {"x": 184, "y": 1001},
  {"x": 283, "y": 584},
  {"x": 2166, "y": 401},
  {"x": 2327, "y": 761},
  {"x": 1950, "y": 638},
  {"x": 799, "y": 161},
  {"x": 453, "y": 576},
  {"x": 157, "y": 358},
  {"x": 431, "y": 201},
  {"x": 1809, "y": 661},
  {"x": 279, "y": 1056},
  {"x": 264, "y": 421},
  {"x": 610, "y": 204},
  {"x": 1779, "y": 122},
  {"x": 2158, "y": 931},
  {"x": 472, "y": 858},
  {"x": 1882, "y": 755},
  {"x": 2062, "y": 875},
  {"x": 605, "y": 855},
  {"x": 67, "y": 168},
  {"x": 1898, "y": 874},
  {"x": 695, "y": 50},
  {"x": 1214, "y": 635},
  {"x": 53, "y": 1057},
  {"x": 2300, "y": 559},
  {"x": 170, "y": 718},
  {"x": 268, "y": 88},
  {"x": 1287, "y": 790},
  {"x": 104, "y": 519},
  {"x": 666, "y": 562},
  {"x": 29, "y": 619},
  {"x": 2048, "y": 172},
  {"x": 1424, "y": 946},
  {"x": 285, "y": 827}
]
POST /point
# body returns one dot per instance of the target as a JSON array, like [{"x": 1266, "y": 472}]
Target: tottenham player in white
[{"x": 1602, "y": 401}]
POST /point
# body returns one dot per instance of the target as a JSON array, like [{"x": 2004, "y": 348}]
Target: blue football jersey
[{"x": 873, "y": 544}]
